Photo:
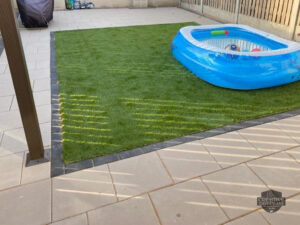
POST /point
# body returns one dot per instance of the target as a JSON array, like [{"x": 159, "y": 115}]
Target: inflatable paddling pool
[{"x": 237, "y": 56}]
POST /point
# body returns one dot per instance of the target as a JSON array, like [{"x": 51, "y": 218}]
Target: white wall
[
  {"x": 162, "y": 3},
  {"x": 60, "y": 4}
]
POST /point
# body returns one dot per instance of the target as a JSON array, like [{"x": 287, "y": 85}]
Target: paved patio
[{"x": 211, "y": 181}]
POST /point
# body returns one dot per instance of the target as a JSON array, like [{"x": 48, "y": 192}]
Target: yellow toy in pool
[{"x": 232, "y": 47}]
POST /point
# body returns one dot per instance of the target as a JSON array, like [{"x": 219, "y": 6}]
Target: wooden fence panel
[
  {"x": 275, "y": 16},
  {"x": 297, "y": 29}
]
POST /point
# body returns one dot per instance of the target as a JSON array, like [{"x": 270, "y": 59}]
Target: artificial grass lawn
[{"x": 121, "y": 88}]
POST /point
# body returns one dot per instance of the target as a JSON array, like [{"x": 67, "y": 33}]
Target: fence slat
[
  {"x": 256, "y": 8},
  {"x": 284, "y": 9},
  {"x": 271, "y": 10},
  {"x": 267, "y": 13},
  {"x": 275, "y": 11},
  {"x": 279, "y": 11},
  {"x": 288, "y": 12},
  {"x": 260, "y": 8},
  {"x": 241, "y": 9},
  {"x": 249, "y": 8}
]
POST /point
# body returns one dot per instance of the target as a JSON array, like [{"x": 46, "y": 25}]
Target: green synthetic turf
[{"x": 121, "y": 88}]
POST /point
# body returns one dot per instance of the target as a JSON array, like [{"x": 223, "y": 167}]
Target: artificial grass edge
[{"x": 82, "y": 146}]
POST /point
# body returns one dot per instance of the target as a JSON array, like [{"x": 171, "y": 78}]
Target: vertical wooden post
[
  {"x": 294, "y": 18},
  {"x": 202, "y": 7},
  {"x": 237, "y": 7},
  {"x": 19, "y": 73}
]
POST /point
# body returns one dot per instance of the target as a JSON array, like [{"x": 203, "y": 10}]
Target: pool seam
[{"x": 59, "y": 168}]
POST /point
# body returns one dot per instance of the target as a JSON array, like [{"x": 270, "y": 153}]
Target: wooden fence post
[
  {"x": 294, "y": 19},
  {"x": 201, "y": 7},
  {"x": 20, "y": 77},
  {"x": 237, "y": 7}
]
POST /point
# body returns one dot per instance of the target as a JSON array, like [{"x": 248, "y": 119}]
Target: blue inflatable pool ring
[{"x": 244, "y": 58}]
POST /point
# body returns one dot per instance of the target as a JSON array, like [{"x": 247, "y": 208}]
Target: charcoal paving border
[{"x": 59, "y": 168}]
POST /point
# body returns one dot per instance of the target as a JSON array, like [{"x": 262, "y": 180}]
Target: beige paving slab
[
  {"x": 251, "y": 219},
  {"x": 46, "y": 133},
  {"x": 188, "y": 160},
  {"x": 229, "y": 149},
  {"x": 35, "y": 173},
  {"x": 76, "y": 220},
  {"x": 137, "y": 210},
  {"x": 290, "y": 126},
  {"x": 6, "y": 85},
  {"x": 13, "y": 141},
  {"x": 2, "y": 68},
  {"x": 288, "y": 214},
  {"x": 138, "y": 174},
  {"x": 27, "y": 204},
  {"x": 40, "y": 98},
  {"x": 187, "y": 203},
  {"x": 236, "y": 189},
  {"x": 3, "y": 58},
  {"x": 39, "y": 74},
  {"x": 43, "y": 64},
  {"x": 41, "y": 84},
  {"x": 279, "y": 171},
  {"x": 295, "y": 153},
  {"x": 44, "y": 113},
  {"x": 10, "y": 170},
  {"x": 81, "y": 191},
  {"x": 268, "y": 138},
  {"x": 10, "y": 120},
  {"x": 5, "y": 103}
]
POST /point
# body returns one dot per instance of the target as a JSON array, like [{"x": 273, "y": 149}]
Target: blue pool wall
[{"x": 233, "y": 71}]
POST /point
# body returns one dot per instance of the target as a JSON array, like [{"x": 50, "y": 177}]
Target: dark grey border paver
[{"x": 59, "y": 168}]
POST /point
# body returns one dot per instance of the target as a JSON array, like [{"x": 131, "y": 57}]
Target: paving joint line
[
  {"x": 267, "y": 221},
  {"x": 165, "y": 167},
  {"x": 214, "y": 197},
  {"x": 18, "y": 185},
  {"x": 155, "y": 210},
  {"x": 250, "y": 143},
  {"x": 113, "y": 183},
  {"x": 252, "y": 170},
  {"x": 286, "y": 133},
  {"x": 10, "y": 105},
  {"x": 23, "y": 165},
  {"x": 87, "y": 218},
  {"x": 290, "y": 155},
  {"x": 221, "y": 167},
  {"x": 241, "y": 216},
  {"x": 13, "y": 153}
]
